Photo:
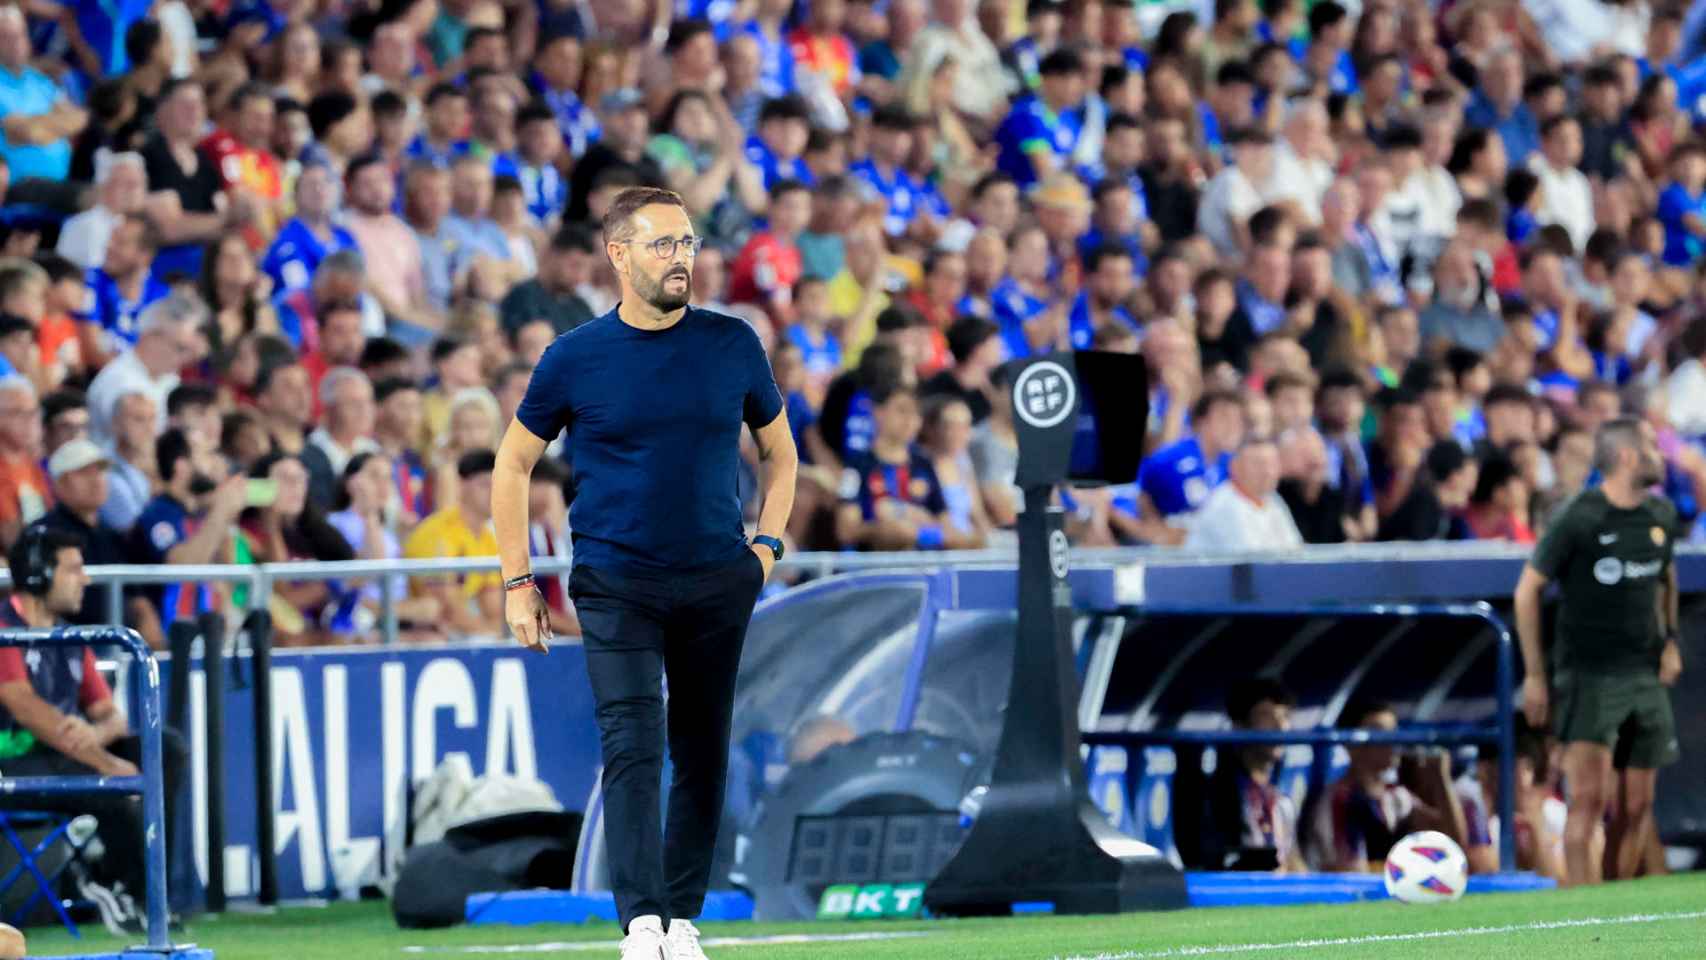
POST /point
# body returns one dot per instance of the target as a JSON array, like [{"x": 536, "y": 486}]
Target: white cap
[{"x": 74, "y": 455}]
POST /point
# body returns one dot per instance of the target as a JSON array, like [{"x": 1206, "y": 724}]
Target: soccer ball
[{"x": 1426, "y": 867}]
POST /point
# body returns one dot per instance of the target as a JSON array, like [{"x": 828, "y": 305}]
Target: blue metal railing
[{"x": 150, "y": 785}]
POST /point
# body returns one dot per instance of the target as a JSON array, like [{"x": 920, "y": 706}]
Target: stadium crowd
[{"x": 276, "y": 272}]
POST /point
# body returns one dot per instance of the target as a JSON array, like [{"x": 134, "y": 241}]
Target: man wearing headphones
[{"x": 58, "y": 719}]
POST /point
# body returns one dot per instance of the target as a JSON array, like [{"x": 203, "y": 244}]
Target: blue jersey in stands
[
  {"x": 1013, "y": 307},
  {"x": 575, "y": 120},
  {"x": 904, "y": 197},
  {"x": 1082, "y": 326},
  {"x": 545, "y": 190},
  {"x": 421, "y": 149},
  {"x": 775, "y": 60},
  {"x": 116, "y": 314},
  {"x": 715, "y": 12},
  {"x": 1032, "y": 127},
  {"x": 297, "y": 251},
  {"x": 1682, "y": 245},
  {"x": 162, "y": 525},
  {"x": 1178, "y": 478},
  {"x": 1130, "y": 242},
  {"x": 872, "y": 483},
  {"x": 774, "y": 169},
  {"x": 820, "y": 350}
]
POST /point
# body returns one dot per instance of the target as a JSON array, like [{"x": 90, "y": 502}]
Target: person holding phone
[{"x": 188, "y": 522}]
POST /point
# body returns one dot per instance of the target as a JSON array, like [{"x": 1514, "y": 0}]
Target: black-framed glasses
[{"x": 664, "y": 247}]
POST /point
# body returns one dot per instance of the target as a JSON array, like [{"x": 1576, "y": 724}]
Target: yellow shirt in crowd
[{"x": 445, "y": 534}]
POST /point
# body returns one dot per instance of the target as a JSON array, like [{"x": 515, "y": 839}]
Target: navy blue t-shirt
[{"x": 653, "y": 420}]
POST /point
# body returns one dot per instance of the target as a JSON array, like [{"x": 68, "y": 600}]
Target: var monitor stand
[{"x": 1037, "y": 836}]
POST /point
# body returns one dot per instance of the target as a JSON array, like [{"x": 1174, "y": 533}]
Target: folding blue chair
[{"x": 58, "y": 828}]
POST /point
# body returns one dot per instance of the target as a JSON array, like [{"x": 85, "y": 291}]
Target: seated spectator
[
  {"x": 282, "y": 526},
  {"x": 1498, "y": 509},
  {"x": 59, "y": 335},
  {"x": 483, "y": 249},
  {"x": 475, "y": 424},
  {"x": 131, "y": 477},
  {"x": 389, "y": 249},
  {"x": 342, "y": 343},
  {"x": 79, "y": 472},
  {"x": 976, "y": 347},
  {"x": 64, "y": 418},
  {"x": 1432, "y": 508},
  {"x": 23, "y": 286},
  {"x": 396, "y": 429},
  {"x": 1247, "y": 513},
  {"x": 24, "y": 492},
  {"x": 284, "y": 402},
  {"x": 192, "y": 520},
  {"x": 945, "y": 438},
  {"x": 890, "y": 497},
  {"x": 456, "y": 365},
  {"x": 1177, "y": 479},
  {"x": 293, "y": 261},
  {"x": 58, "y": 719},
  {"x": 1362, "y": 815},
  {"x": 38, "y": 116},
  {"x": 338, "y": 280},
  {"x": 346, "y": 426},
  {"x": 237, "y": 294},
  {"x": 365, "y": 498},
  {"x": 1318, "y": 507},
  {"x": 1247, "y": 822},
  {"x": 994, "y": 452},
  {"x": 177, "y": 168},
  {"x": 1459, "y": 314},
  {"x": 472, "y": 603},
  {"x": 1539, "y": 815},
  {"x": 769, "y": 265},
  {"x": 121, "y": 187},
  {"x": 168, "y": 339},
  {"x": 550, "y": 296}
]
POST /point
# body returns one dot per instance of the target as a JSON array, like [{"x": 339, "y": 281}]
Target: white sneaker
[
  {"x": 684, "y": 941},
  {"x": 645, "y": 940}
]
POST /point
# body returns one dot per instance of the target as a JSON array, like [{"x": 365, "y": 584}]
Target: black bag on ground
[{"x": 516, "y": 851}]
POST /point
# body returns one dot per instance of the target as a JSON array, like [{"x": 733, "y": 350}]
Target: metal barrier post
[
  {"x": 1507, "y": 747},
  {"x": 387, "y": 611},
  {"x": 115, "y": 602},
  {"x": 213, "y": 669},
  {"x": 266, "y": 832}
]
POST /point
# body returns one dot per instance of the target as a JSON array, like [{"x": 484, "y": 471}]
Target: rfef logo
[{"x": 877, "y": 901}]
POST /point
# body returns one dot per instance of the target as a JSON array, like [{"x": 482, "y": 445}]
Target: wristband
[
  {"x": 930, "y": 538},
  {"x": 517, "y": 583}
]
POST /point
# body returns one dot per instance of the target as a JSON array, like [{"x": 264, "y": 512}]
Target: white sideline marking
[
  {"x": 579, "y": 945},
  {"x": 1390, "y": 937}
]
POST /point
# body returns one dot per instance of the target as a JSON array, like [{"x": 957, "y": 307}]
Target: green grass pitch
[{"x": 1639, "y": 920}]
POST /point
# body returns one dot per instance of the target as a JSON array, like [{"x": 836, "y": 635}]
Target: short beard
[{"x": 653, "y": 291}]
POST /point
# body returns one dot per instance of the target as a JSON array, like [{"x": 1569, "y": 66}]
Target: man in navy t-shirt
[{"x": 653, "y": 396}]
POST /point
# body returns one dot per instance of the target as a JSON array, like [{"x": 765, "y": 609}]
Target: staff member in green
[{"x": 1616, "y": 648}]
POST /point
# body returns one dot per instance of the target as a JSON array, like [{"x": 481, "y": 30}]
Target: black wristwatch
[{"x": 774, "y": 544}]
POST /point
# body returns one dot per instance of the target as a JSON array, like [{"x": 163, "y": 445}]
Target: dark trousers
[
  {"x": 120, "y": 816},
  {"x": 638, "y": 630}
]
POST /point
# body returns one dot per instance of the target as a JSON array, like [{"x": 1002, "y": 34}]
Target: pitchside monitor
[{"x": 1080, "y": 417}]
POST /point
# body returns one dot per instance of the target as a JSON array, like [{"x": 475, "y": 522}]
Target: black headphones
[{"x": 38, "y": 566}]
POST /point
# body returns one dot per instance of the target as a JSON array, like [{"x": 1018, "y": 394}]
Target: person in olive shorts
[{"x": 1615, "y": 651}]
